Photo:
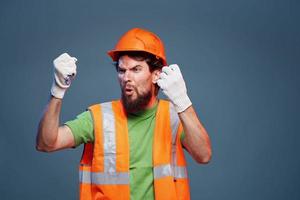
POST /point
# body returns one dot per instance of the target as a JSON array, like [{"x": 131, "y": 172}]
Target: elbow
[
  {"x": 204, "y": 159},
  {"x": 38, "y": 144},
  {"x": 45, "y": 149},
  {"x": 39, "y": 148},
  {"x": 42, "y": 147}
]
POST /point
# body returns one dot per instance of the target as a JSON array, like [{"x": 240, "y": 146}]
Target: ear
[{"x": 155, "y": 75}]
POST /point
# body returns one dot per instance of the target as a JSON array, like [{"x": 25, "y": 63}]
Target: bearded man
[{"x": 133, "y": 146}]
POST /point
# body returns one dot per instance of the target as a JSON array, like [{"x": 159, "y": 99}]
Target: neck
[{"x": 152, "y": 102}]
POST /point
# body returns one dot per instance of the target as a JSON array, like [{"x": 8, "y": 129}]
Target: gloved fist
[
  {"x": 64, "y": 73},
  {"x": 173, "y": 86}
]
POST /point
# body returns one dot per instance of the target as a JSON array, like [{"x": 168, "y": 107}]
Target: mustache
[{"x": 129, "y": 86}]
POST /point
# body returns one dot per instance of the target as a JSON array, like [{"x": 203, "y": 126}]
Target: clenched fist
[
  {"x": 173, "y": 86},
  {"x": 64, "y": 73}
]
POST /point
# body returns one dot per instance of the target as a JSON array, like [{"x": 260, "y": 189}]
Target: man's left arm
[{"x": 196, "y": 139}]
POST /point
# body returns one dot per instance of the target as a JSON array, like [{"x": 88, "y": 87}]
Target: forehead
[{"x": 128, "y": 62}]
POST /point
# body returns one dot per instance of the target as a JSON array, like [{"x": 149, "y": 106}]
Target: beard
[{"x": 139, "y": 103}]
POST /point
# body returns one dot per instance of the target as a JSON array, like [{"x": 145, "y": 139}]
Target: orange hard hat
[{"x": 138, "y": 39}]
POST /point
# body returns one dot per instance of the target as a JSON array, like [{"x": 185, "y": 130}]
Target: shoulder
[
  {"x": 105, "y": 107},
  {"x": 168, "y": 103},
  {"x": 164, "y": 101},
  {"x": 96, "y": 105}
]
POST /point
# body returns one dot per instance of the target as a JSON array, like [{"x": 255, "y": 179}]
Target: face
[{"x": 137, "y": 83}]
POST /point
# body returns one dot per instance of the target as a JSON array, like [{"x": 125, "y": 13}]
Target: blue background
[{"x": 240, "y": 60}]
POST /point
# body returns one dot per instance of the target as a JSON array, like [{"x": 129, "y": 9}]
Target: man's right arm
[{"x": 52, "y": 137}]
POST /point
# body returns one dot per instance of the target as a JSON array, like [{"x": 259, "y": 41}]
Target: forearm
[
  {"x": 49, "y": 124},
  {"x": 196, "y": 139}
]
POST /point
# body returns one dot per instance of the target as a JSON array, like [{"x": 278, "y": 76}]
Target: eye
[
  {"x": 121, "y": 71},
  {"x": 137, "y": 69}
]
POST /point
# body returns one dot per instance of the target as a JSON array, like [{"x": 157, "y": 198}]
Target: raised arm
[{"x": 51, "y": 136}]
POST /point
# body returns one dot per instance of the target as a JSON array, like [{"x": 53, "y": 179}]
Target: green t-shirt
[{"x": 140, "y": 129}]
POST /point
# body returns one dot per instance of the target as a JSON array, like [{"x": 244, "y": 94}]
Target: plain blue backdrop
[{"x": 240, "y": 61}]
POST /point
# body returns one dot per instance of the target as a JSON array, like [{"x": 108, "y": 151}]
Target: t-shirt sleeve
[
  {"x": 82, "y": 128},
  {"x": 182, "y": 133},
  {"x": 182, "y": 136}
]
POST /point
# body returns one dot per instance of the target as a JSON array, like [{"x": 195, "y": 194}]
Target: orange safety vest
[{"x": 104, "y": 166}]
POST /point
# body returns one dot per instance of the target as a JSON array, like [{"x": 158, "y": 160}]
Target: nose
[{"x": 127, "y": 76}]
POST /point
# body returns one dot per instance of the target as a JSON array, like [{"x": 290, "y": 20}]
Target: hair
[{"x": 153, "y": 62}]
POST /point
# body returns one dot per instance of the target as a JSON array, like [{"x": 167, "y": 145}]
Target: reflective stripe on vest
[
  {"x": 109, "y": 138},
  {"x": 110, "y": 175},
  {"x": 103, "y": 178},
  {"x": 168, "y": 170},
  {"x": 171, "y": 169}
]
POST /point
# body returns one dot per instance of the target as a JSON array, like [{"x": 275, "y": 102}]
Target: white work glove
[
  {"x": 173, "y": 86},
  {"x": 64, "y": 73}
]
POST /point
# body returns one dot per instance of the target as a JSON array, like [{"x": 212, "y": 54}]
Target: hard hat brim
[{"x": 114, "y": 54}]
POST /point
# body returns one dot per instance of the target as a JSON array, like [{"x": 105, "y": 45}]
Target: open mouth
[{"x": 129, "y": 90}]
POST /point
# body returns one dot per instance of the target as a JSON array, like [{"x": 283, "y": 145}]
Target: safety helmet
[{"x": 138, "y": 39}]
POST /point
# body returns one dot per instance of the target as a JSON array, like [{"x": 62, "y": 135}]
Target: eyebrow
[{"x": 135, "y": 66}]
